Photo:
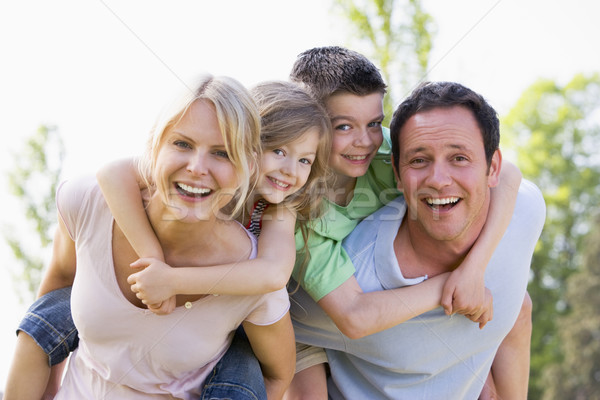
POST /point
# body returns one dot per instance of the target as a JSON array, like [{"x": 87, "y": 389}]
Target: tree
[
  {"x": 33, "y": 181},
  {"x": 399, "y": 43},
  {"x": 578, "y": 375},
  {"x": 555, "y": 131}
]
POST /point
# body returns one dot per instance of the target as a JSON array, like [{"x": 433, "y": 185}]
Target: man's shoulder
[
  {"x": 530, "y": 208},
  {"x": 367, "y": 229}
]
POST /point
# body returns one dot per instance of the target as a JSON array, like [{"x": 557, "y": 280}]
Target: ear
[{"x": 494, "y": 169}]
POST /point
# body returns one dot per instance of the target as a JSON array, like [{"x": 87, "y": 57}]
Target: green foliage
[
  {"x": 33, "y": 181},
  {"x": 398, "y": 36},
  {"x": 556, "y": 132},
  {"x": 577, "y": 376}
]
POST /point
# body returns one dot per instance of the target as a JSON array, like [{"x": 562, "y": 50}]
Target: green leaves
[
  {"x": 555, "y": 131},
  {"x": 33, "y": 181}
]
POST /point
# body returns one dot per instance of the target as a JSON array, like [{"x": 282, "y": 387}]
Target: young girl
[
  {"x": 207, "y": 144},
  {"x": 295, "y": 136}
]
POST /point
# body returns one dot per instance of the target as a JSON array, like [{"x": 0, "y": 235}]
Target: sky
[{"x": 100, "y": 71}]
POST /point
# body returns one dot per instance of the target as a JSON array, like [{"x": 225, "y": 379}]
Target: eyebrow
[
  {"x": 179, "y": 133},
  {"x": 422, "y": 149},
  {"x": 351, "y": 118}
]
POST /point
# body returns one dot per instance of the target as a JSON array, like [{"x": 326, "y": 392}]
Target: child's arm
[
  {"x": 121, "y": 184},
  {"x": 273, "y": 265},
  {"x": 358, "y": 314},
  {"x": 464, "y": 291}
]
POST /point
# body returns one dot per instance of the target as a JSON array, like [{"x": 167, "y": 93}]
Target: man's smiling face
[{"x": 444, "y": 174}]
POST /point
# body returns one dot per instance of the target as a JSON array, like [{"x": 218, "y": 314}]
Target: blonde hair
[
  {"x": 287, "y": 112},
  {"x": 239, "y": 123}
]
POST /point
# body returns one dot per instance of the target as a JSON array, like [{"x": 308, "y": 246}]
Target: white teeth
[
  {"x": 279, "y": 183},
  {"x": 192, "y": 189},
  {"x": 355, "y": 158},
  {"x": 441, "y": 202}
]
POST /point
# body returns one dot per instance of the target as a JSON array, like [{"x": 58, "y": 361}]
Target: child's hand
[
  {"x": 464, "y": 293},
  {"x": 151, "y": 285},
  {"x": 487, "y": 312},
  {"x": 165, "y": 307}
]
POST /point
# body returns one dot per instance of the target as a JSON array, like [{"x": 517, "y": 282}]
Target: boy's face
[{"x": 357, "y": 135}]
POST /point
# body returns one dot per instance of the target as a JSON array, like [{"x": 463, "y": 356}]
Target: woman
[{"x": 198, "y": 162}]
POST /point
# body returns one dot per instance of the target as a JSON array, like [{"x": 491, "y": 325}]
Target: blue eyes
[
  {"x": 182, "y": 144},
  {"x": 347, "y": 127},
  {"x": 281, "y": 153},
  {"x": 221, "y": 153}
]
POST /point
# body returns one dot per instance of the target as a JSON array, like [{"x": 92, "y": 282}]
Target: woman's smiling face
[{"x": 194, "y": 166}]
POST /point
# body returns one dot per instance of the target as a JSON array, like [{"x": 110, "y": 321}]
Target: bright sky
[{"x": 101, "y": 70}]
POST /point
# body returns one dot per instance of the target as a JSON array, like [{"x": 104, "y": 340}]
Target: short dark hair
[
  {"x": 430, "y": 95},
  {"x": 325, "y": 71}
]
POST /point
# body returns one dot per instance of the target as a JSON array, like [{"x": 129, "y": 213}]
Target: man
[{"x": 446, "y": 159}]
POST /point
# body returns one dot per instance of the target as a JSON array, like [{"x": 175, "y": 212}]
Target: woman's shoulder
[{"x": 239, "y": 242}]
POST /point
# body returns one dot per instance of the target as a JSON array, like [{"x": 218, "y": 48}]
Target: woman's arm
[
  {"x": 275, "y": 348},
  {"x": 63, "y": 263},
  {"x": 464, "y": 291},
  {"x": 273, "y": 264},
  {"x": 121, "y": 184}
]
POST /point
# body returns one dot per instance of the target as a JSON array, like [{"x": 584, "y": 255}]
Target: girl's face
[
  {"x": 284, "y": 170},
  {"x": 357, "y": 133},
  {"x": 195, "y": 167}
]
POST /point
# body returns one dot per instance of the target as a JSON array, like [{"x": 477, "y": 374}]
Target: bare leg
[
  {"x": 29, "y": 372},
  {"x": 56, "y": 373},
  {"x": 511, "y": 364},
  {"x": 308, "y": 384},
  {"x": 489, "y": 389}
]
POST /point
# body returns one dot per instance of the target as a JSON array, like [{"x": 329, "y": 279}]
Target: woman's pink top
[{"x": 126, "y": 352}]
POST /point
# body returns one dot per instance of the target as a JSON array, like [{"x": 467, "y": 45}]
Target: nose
[
  {"x": 362, "y": 138},
  {"x": 289, "y": 167},
  {"x": 439, "y": 175},
  {"x": 197, "y": 164}
]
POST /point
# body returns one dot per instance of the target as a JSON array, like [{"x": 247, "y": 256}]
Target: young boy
[{"x": 352, "y": 90}]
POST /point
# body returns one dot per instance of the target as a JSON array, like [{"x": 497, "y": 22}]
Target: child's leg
[
  {"x": 489, "y": 389},
  {"x": 237, "y": 375},
  {"x": 46, "y": 336},
  {"x": 310, "y": 380},
  {"x": 310, "y": 383},
  {"x": 29, "y": 372},
  {"x": 510, "y": 368}
]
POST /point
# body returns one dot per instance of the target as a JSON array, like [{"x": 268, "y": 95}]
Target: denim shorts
[{"x": 48, "y": 321}]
